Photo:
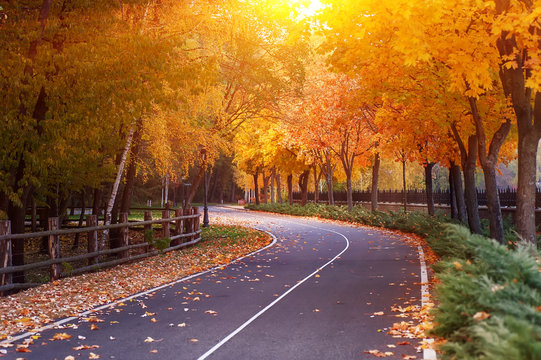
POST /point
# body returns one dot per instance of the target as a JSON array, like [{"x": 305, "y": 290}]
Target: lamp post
[{"x": 205, "y": 207}]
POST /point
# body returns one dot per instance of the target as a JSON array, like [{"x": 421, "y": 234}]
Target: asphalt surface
[{"x": 311, "y": 295}]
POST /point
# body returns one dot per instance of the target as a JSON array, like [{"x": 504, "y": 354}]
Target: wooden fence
[
  {"x": 507, "y": 197},
  {"x": 183, "y": 230}
]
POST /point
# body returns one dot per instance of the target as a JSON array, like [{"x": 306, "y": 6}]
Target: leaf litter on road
[{"x": 34, "y": 308}]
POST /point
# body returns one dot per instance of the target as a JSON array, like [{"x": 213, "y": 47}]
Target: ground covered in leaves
[{"x": 36, "y": 307}]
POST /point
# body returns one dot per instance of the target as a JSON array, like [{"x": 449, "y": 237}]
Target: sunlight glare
[{"x": 308, "y": 8}]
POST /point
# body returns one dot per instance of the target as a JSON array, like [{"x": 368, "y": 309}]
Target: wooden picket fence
[{"x": 183, "y": 229}]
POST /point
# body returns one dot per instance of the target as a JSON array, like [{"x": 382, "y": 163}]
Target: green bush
[
  {"x": 480, "y": 276},
  {"x": 415, "y": 222}
]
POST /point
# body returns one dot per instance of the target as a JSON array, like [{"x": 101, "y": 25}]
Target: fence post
[
  {"x": 178, "y": 228},
  {"x": 92, "y": 236},
  {"x": 124, "y": 235},
  {"x": 166, "y": 225},
  {"x": 5, "y": 253},
  {"x": 196, "y": 221},
  {"x": 54, "y": 248},
  {"x": 148, "y": 229},
  {"x": 187, "y": 224}
]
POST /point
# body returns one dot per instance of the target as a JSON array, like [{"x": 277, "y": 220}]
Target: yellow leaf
[{"x": 60, "y": 336}]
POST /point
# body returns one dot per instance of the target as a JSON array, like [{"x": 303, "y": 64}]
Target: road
[{"x": 316, "y": 293}]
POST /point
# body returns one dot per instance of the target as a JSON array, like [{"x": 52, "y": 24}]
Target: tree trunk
[
  {"x": 279, "y": 188},
  {"x": 132, "y": 169},
  {"x": 72, "y": 207},
  {"x": 404, "y": 189},
  {"x": 166, "y": 193},
  {"x": 195, "y": 185},
  {"x": 459, "y": 193},
  {"x": 493, "y": 204},
  {"x": 375, "y": 182},
  {"x": 528, "y": 115},
  {"x": 233, "y": 188},
  {"x": 526, "y": 187},
  {"x": 265, "y": 187},
  {"x": 17, "y": 214},
  {"x": 317, "y": 178},
  {"x": 488, "y": 157},
  {"x": 273, "y": 177},
  {"x": 34, "y": 215},
  {"x": 116, "y": 184},
  {"x": 428, "y": 186},
  {"x": 470, "y": 192},
  {"x": 349, "y": 191},
  {"x": 452, "y": 196},
  {"x": 96, "y": 202},
  {"x": 290, "y": 189},
  {"x": 81, "y": 219},
  {"x": 256, "y": 186},
  {"x": 303, "y": 184}
]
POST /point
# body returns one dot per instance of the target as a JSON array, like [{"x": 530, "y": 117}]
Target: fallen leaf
[
  {"x": 194, "y": 340},
  {"x": 94, "y": 327},
  {"x": 85, "y": 347},
  {"x": 212, "y": 312},
  {"x": 93, "y": 356},
  {"x": 378, "y": 353},
  {"x": 60, "y": 336},
  {"x": 481, "y": 315},
  {"x": 408, "y": 357},
  {"x": 379, "y": 313}
]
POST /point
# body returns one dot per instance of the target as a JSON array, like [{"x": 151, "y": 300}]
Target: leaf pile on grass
[{"x": 31, "y": 309}]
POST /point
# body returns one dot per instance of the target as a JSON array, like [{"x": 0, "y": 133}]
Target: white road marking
[
  {"x": 262, "y": 311},
  {"x": 11, "y": 339},
  {"x": 428, "y": 354}
]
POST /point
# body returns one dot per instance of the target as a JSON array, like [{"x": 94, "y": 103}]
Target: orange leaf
[
  {"x": 481, "y": 315},
  {"x": 60, "y": 336}
]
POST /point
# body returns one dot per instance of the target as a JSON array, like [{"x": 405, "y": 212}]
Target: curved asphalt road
[{"x": 289, "y": 301}]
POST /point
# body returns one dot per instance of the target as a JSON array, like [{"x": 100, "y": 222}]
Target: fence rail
[
  {"x": 442, "y": 197},
  {"x": 186, "y": 231}
]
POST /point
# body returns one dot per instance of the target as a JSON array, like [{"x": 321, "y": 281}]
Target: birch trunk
[{"x": 116, "y": 184}]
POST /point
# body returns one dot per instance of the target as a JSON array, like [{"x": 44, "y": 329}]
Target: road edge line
[{"x": 428, "y": 354}]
